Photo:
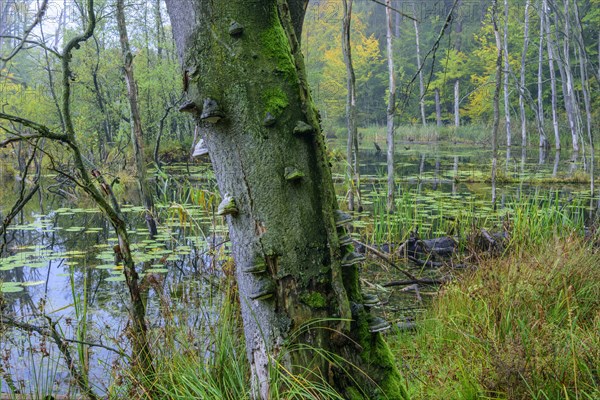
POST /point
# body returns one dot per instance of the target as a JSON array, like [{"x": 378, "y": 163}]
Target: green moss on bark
[
  {"x": 314, "y": 299},
  {"x": 275, "y": 101},
  {"x": 277, "y": 48}
]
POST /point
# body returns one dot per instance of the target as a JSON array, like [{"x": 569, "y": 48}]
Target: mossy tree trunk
[{"x": 247, "y": 85}]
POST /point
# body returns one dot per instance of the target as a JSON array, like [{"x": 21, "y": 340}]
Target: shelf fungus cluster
[
  {"x": 266, "y": 287},
  {"x": 351, "y": 258}
]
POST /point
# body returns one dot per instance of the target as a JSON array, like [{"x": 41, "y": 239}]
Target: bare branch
[
  {"x": 42, "y": 130},
  {"x": 36, "y": 21}
]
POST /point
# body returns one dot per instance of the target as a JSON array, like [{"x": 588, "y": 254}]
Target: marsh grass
[
  {"x": 523, "y": 326},
  {"x": 529, "y": 219},
  {"x": 210, "y": 361}
]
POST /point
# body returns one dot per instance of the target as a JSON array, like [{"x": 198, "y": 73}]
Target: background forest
[{"x": 542, "y": 39}]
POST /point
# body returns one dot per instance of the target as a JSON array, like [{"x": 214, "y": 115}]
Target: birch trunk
[
  {"x": 551, "y": 46},
  {"x": 496, "y": 99},
  {"x": 391, "y": 109},
  {"x": 420, "y": 69},
  {"x": 438, "y": 108},
  {"x": 564, "y": 67},
  {"x": 457, "y": 103},
  {"x": 522, "y": 75},
  {"x": 583, "y": 63},
  {"x": 506, "y": 86},
  {"x": 540, "y": 88}
]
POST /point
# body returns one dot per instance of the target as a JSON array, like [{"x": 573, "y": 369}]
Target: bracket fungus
[
  {"x": 293, "y": 174},
  {"x": 257, "y": 267},
  {"x": 265, "y": 290},
  {"x": 377, "y": 324},
  {"x": 352, "y": 258},
  {"x": 341, "y": 218},
  {"x": 370, "y": 300},
  {"x": 211, "y": 111},
  {"x": 227, "y": 206},
  {"x": 235, "y": 28},
  {"x": 302, "y": 128},
  {"x": 345, "y": 240},
  {"x": 189, "y": 106},
  {"x": 200, "y": 149},
  {"x": 269, "y": 119}
]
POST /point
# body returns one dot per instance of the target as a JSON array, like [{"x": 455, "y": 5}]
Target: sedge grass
[{"x": 520, "y": 327}]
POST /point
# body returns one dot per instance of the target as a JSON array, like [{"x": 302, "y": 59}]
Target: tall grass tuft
[{"x": 520, "y": 327}]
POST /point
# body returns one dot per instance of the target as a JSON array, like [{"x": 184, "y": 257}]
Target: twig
[
  {"x": 424, "y": 281},
  {"x": 386, "y": 259}
]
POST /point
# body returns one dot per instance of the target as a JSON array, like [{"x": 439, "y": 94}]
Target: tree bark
[
  {"x": 540, "y": 87},
  {"x": 420, "y": 69},
  {"x": 496, "y": 100},
  {"x": 438, "y": 108},
  {"x": 522, "y": 75},
  {"x": 249, "y": 93},
  {"x": 585, "y": 88},
  {"x": 564, "y": 68},
  {"x": 391, "y": 109},
  {"x": 137, "y": 138},
  {"x": 551, "y": 46},
  {"x": 506, "y": 87},
  {"x": 351, "y": 151},
  {"x": 457, "y": 103}
]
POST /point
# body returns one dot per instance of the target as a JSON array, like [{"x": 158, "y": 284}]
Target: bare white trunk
[
  {"x": 438, "y": 108},
  {"x": 496, "y": 99},
  {"x": 457, "y": 103},
  {"x": 540, "y": 94},
  {"x": 567, "y": 80},
  {"x": 551, "y": 46},
  {"x": 583, "y": 62},
  {"x": 420, "y": 69},
  {"x": 522, "y": 81},
  {"x": 391, "y": 108},
  {"x": 506, "y": 87}
]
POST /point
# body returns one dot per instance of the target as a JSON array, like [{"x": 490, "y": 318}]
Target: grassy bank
[{"x": 523, "y": 326}]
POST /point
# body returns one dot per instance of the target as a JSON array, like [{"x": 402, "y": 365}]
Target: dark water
[{"x": 59, "y": 259}]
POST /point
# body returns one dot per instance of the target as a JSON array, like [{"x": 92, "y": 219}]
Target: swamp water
[{"x": 59, "y": 263}]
